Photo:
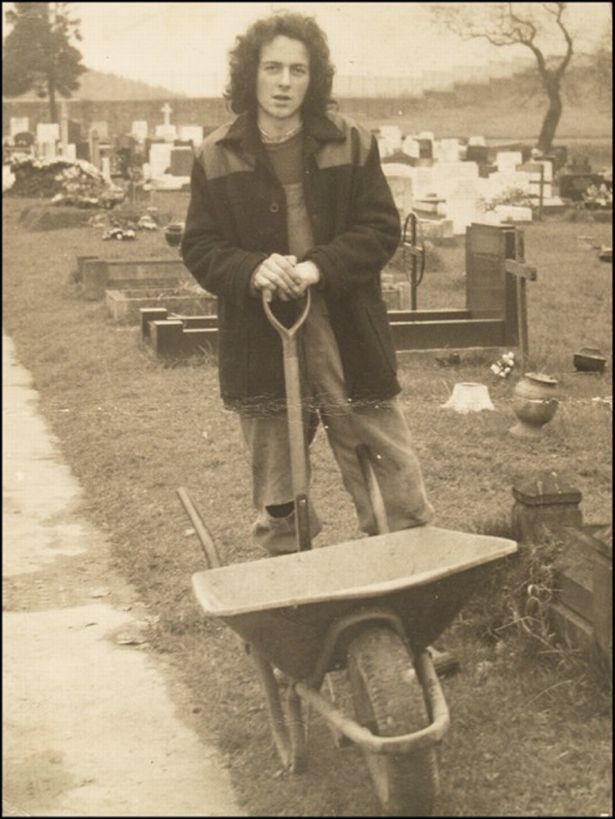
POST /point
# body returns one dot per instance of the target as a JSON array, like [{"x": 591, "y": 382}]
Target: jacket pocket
[{"x": 379, "y": 322}]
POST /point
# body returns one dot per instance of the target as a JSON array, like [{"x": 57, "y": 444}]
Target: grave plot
[
  {"x": 494, "y": 317},
  {"x": 99, "y": 275},
  {"x": 125, "y": 305},
  {"x": 579, "y": 607}
]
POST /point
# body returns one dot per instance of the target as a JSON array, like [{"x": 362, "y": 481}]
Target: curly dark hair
[{"x": 244, "y": 58}]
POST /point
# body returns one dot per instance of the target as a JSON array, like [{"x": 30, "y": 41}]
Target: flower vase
[{"x": 534, "y": 403}]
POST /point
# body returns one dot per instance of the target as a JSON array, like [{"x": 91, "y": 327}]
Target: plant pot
[
  {"x": 534, "y": 404},
  {"x": 589, "y": 360},
  {"x": 173, "y": 234}
]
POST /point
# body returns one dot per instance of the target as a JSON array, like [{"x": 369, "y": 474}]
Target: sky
[{"x": 184, "y": 46}]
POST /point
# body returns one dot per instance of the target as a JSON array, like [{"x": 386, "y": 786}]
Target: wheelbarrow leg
[{"x": 288, "y": 733}]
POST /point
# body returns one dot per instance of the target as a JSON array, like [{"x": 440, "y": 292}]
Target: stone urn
[
  {"x": 173, "y": 233},
  {"x": 534, "y": 403}
]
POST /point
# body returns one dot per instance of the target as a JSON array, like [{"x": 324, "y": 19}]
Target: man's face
[{"x": 283, "y": 78}]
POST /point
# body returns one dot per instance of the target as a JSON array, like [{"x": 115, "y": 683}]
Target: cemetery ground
[{"x": 530, "y": 721}]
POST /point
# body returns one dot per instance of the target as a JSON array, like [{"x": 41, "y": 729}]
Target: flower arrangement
[{"x": 504, "y": 365}]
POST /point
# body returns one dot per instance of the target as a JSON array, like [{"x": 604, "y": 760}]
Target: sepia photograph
[{"x": 307, "y": 409}]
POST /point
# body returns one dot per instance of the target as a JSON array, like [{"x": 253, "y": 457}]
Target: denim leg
[
  {"x": 382, "y": 426},
  {"x": 266, "y": 438}
]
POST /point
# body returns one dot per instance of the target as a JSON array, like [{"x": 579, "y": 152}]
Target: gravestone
[
  {"x": 448, "y": 150},
  {"x": 139, "y": 129},
  {"x": 487, "y": 248},
  {"x": 399, "y": 177},
  {"x": 166, "y": 132},
  {"x": 191, "y": 133},
  {"x": 102, "y": 129},
  {"x": 392, "y": 135},
  {"x": 181, "y": 161},
  {"x": 411, "y": 147},
  {"x": 159, "y": 158},
  {"x": 47, "y": 132},
  {"x": 18, "y": 125},
  {"x": 507, "y": 161},
  {"x": 462, "y": 204}
]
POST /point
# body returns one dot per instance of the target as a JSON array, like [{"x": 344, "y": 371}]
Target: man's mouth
[{"x": 281, "y": 98}]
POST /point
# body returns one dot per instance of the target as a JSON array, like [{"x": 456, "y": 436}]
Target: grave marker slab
[
  {"x": 139, "y": 129},
  {"x": 193, "y": 133},
  {"x": 47, "y": 132},
  {"x": 18, "y": 125}
]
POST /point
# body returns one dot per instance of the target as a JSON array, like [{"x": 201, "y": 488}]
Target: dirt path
[{"x": 93, "y": 724}]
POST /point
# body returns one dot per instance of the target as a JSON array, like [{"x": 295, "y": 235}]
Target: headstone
[
  {"x": 105, "y": 168},
  {"x": 399, "y": 177},
  {"x": 384, "y": 148},
  {"x": 181, "y": 161},
  {"x": 411, "y": 147},
  {"x": 159, "y": 158},
  {"x": 191, "y": 133},
  {"x": 423, "y": 181},
  {"x": 139, "y": 130},
  {"x": 448, "y": 150},
  {"x": 47, "y": 132},
  {"x": 166, "y": 132},
  {"x": 513, "y": 213},
  {"x": 462, "y": 204},
  {"x": 392, "y": 134},
  {"x": 477, "y": 153},
  {"x": 47, "y": 150},
  {"x": 507, "y": 161},
  {"x": 18, "y": 125},
  {"x": 70, "y": 152},
  {"x": 102, "y": 129}
]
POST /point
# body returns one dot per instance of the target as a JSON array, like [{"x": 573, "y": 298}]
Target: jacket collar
[{"x": 317, "y": 129}]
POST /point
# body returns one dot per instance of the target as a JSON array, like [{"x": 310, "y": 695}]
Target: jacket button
[{"x": 274, "y": 207}]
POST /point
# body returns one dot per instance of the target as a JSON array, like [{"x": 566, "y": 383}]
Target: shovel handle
[
  {"x": 298, "y": 458},
  {"x": 287, "y": 332}
]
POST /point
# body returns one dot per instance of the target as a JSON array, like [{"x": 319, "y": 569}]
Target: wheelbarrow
[{"x": 372, "y": 606}]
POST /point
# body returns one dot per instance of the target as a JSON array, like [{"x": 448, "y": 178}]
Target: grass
[{"x": 530, "y": 734}]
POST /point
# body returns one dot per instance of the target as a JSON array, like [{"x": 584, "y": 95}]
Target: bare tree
[{"x": 533, "y": 25}]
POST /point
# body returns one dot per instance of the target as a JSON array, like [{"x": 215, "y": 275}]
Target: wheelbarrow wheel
[{"x": 388, "y": 699}]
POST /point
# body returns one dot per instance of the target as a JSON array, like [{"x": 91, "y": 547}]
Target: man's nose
[{"x": 284, "y": 78}]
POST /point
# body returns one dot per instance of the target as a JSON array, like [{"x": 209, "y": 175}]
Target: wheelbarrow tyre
[{"x": 388, "y": 699}]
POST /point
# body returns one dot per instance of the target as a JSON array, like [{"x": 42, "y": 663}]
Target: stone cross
[{"x": 166, "y": 111}]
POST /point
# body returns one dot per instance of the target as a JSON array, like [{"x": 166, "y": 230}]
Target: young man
[{"x": 284, "y": 198}]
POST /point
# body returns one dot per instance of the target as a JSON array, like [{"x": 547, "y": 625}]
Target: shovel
[{"x": 298, "y": 459}]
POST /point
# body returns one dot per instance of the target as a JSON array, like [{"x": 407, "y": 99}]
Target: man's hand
[
  {"x": 278, "y": 274},
  {"x": 308, "y": 274}
]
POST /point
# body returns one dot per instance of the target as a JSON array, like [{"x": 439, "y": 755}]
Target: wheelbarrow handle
[{"x": 287, "y": 332}]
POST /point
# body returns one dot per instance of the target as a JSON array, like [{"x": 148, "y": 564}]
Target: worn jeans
[{"x": 380, "y": 425}]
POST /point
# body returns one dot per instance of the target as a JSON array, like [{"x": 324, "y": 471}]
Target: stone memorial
[
  {"x": 139, "y": 130},
  {"x": 47, "y": 132},
  {"x": 102, "y": 129},
  {"x": 18, "y": 125},
  {"x": 507, "y": 161},
  {"x": 191, "y": 133},
  {"x": 159, "y": 158}
]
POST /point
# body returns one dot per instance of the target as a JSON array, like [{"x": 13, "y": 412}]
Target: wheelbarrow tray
[{"x": 285, "y": 605}]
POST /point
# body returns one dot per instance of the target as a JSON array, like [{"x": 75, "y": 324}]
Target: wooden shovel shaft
[
  {"x": 298, "y": 453},
  {"x": 298, "y": 458}
]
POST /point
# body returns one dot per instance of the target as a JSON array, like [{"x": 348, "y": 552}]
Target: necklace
[{"x": 274, "y": 140}]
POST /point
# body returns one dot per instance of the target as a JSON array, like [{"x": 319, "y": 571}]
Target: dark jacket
[{"x": 237, "y": 218}]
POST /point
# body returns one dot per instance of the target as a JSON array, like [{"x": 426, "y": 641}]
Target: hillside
[{"x": 99, "y": 85}]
